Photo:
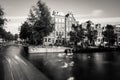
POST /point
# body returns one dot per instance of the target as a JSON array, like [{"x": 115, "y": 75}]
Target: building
[
  {"x": 62, "y": 27},
  {"x": 96, "y": 27},
  {"x": 99, "y": 29},
  {"x": 84, "y": 25},
  {"x": 117, "y": 31}
]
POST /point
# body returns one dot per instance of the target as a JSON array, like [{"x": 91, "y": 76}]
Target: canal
[{"x": 82, "y": 66}]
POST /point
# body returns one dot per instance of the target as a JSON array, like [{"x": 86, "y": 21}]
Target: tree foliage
[
  {"x": 9, "y": 36},
  {"x": 2, "y": 20},
  {"x": 38, "y": 24},
  {"x": 77, "y": 35},
  {"x": 6, "y": 35},
  {"x": 109, "y": 35},
  {"x": 25, "y": 31},
  {"x": 91, "y": 33},
  {"x": 3, "y": 33},
  {"x": 80, "y": 34},
  {"x": 16, "y": 36}
]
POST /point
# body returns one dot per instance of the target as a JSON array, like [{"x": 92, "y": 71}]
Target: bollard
[{"x": 26, "y": 51}]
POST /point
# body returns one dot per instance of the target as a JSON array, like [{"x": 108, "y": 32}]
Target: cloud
[
  {"x": 13, "y": 27},
  {"x": 16, "y": 17},
  {"x": 109, "y": 20},
  {"x": 14, "y": 23},
  {"x": 93, "y": 14},
  {"x": 97, "y": 17},
  {"x": 97, "y": 13}
]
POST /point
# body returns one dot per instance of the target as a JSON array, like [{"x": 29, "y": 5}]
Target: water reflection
[
  {"x": 55, "y": 66},
  {"x": 84, "y": 66}
]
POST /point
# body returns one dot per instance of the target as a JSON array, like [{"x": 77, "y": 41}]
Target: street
[{"x": 16, "y": 67}]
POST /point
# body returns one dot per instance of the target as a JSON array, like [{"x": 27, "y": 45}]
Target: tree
[
  {"x": 3, "y": 33},
  {"x": 2, "y": 21},
  {"x": 40, "y": 22},
  {"x": 6, "y": 35},
  {"x": 15, "y": 36},
  {"x": 25, "y": 31},
  {"x": 91, "y": 33},
  {"x": 109, "y": 35},
  {"x": 77, "y": 35},
  {"x": 9, "y": 36}
]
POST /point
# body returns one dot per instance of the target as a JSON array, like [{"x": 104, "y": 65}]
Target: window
[
  {"x": 92, "y": 28},
  {"x": 99, "y": 34},
  {"x": 62, "y": 25},
  {"x": 70, "y": 28},
  {"x": 59, "y": 25},
  {"x": 103, "y": 28},
  {"x": 56, "y": 19},
  {"x": 62, "y": 33},
  {"x": 56, "y": 33},
  {"x": 45, "y": 39},
  {"x": 60, "y": 41},
  {"x": 67, "y": 33},
  {"x": 49, "y": 39},
  {"x": 53, "y": 40},
  {"x": 70, "y": 24},
  {"x": 119, "y": 39},
  {"x": 99, "y": 26},
  {"x": 59, "y": 33},
  {"x": 60, "y": 20},
  {"x": 99, "y": 40},
  {"x": 63, "y": 20},
  {"x": 56, "y": 41},
  {"x": 96, "y": 27}
]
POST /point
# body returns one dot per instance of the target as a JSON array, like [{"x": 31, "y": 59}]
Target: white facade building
[
  {"x": 62, "y": 27},
  {"x": 99, "y": 29},
  {"x": 117, "y": 31}
]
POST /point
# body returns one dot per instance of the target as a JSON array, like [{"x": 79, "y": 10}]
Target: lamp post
[{"x": 66, "y": 16}]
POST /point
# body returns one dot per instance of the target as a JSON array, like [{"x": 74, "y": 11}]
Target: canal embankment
[
  {"x": 39, "y": 49},
  {"x": 54, "y": 49},
  {"x": 95, "y": 49}
]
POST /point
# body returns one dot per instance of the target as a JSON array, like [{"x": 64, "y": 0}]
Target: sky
[{"x": 99, "y": 11}]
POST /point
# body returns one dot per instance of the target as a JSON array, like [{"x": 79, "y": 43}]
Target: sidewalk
[{"x": 53, "y": 49}]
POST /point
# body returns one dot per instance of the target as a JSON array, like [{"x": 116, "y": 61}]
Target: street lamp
[{"x": 66, "y": 16}]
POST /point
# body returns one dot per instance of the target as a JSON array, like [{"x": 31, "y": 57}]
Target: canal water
[{"x": 81, "y": 66}]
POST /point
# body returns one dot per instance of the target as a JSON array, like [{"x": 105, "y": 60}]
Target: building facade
[
  {"x": 117, "y": 31},
  {"x": 96, "y": 27},
  {"x": 99, "y": 39},
  {"x": 62, "y": 27}
]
